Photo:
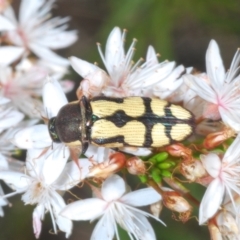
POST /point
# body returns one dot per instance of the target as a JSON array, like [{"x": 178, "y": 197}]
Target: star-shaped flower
[
  {"x": 219, "y": 88},
  {"x": 37, "y": 32},
  {"x": 114, "y": 205},
  {"x": 224, "y": 179},
  {"x": 124, "y": 78}
]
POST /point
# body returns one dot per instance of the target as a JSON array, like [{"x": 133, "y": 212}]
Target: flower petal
[
  {"x": 5, "y": 24},
  {"x": 72, "y": 175},
  {"x": 141, "y": 197},
  {"x": 87, "y": 209},
  {"x": 53, "y": 97},
  {"x": 104, "y": 229},
  {"x": 212, "y": 164},
  {"x": 37, "y": 217},
  {"x": 211, "y": 200},
  {"x": 33, "y": 137},
  {"x": 113, "y": 188},
  {"x": 214, "y": 65},
  {"x": 56, "y": 159},
  {"x": 9, "y": 54},
  {"x": 15, "y": 180}
]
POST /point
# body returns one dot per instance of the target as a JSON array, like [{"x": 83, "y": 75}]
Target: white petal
[
  {"x": 63, "y": 223},
  {"x": 200, "y": 86},
  {"x": 56, "y": 159},
  {"x": 33, "y": 137},
  {"x": 53, "y": 97},
  {"x": 16, "y": 180},
  {"x": 104, "y": 229},
  {"x": 27, "y": 9},
  {"x": 60, "y": 40},
  {"x": 83, "y": 68},
  {"x": 72, "y": 175},
  {"x": 233, "y": 152},
  {"x": 9, "y": 54},
  {"x": 151, "y": 58},
  {"x": 37, "y": 217},
  {"x": 136, "y": 151},
  {"x": 87, "y": 209},
  {"x": 141, "y": 197},
  {"x": 212, "y": 164},
  {"x": 114, "y": 52},
  {"x": 10, "y": 119},
  {"x": 5, "y": 24},
  {"x": 211, "y": 201},
  {"x": 146, "y": 230},
  {"x": 48, "y": 55},
  {"x": 214, "y": 65},
  {"x": 113, "y": 188}
]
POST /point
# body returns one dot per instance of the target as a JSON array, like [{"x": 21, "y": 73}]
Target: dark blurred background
[{"x": 180, "y": 31}]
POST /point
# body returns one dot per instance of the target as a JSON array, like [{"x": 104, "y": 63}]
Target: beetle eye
[{"x": 52, "y": 130}]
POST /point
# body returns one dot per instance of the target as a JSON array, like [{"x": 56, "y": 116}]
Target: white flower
[
  {"x": 115, "y": 206},
  {"x": 24, "y": 85},
  {"x": 219, "y": 89},
  {"x": 124, "y": 78},
  {"x": 225, "y": 181},
  {"x": 9, "y": 117},
  {"x": 45, "y": 175},
  {"x": 36, "y": 32}
]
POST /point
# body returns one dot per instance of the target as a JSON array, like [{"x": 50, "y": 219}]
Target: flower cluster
[{"x": 32, "y": 94}]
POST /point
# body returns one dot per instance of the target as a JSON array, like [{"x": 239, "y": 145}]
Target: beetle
[{"x": 119, "y": 122}]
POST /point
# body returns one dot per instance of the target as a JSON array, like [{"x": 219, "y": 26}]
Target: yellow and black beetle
[{"x": 118, "y": 122}]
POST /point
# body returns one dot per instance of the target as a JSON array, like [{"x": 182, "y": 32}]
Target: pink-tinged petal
[
  {"x": 67, "y": 85},
  {"x": 16, "y": 180},
  {"x": 214, "y": 65},
  {"x": 233, "y": 152},
  {"x": 64, "y": 224},
  {"x": 212, "y": 163},
  {"x": 56, "y": 160},
  {"x": 5, "y": 24},
  {"x": 201, "y": 87},
  {"x": 9, "y": 54},
  {"x": 72, "y": 175},
  {"x": 230, "y": 118},
  {"x": 104, "y": 229},
  {"x": 33, "y": 137},
  {"x": 87, "y": 209},
  {"x": 48, "y": 55},
  {"x": 53, "y": 97},
  {"x": 146, "y": 230},
  {"x": 141, "y": 197},
  {"x": 113, "y": 188},
  {"x": 159, "y": 74},
  {"x": 83, "y": 68},
  {"x": 37, "y": 217},
  {"x": 151, "y": 57},
  {"x": 114, "y": 52},
  {"x": 211, "y": 201}
]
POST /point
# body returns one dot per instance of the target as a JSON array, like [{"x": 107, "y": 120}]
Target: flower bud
[
  {"x": 175, "y": 202},
  {"x": 192, "y": 170},
  {"x": 227, "y": 223},
  {"x": 178, "y": 150},
  {"x": 135, "y": 166},
  {"x": 215, "y": 139}
]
